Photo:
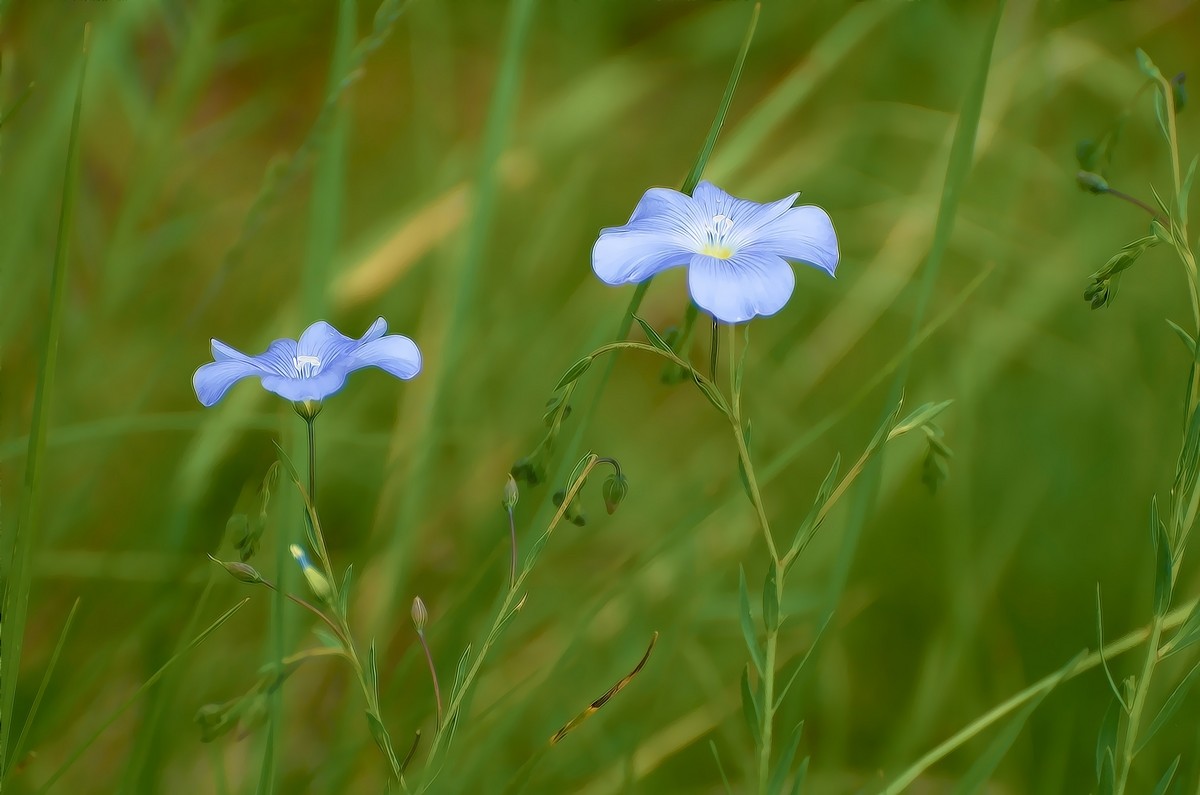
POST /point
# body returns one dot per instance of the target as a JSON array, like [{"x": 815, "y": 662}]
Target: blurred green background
[{"x": 467, "y": 222}]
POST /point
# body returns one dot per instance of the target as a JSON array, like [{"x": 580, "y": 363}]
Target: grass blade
[
  {"x": 17, "y": 561},
  {"x": 73, "y": 757}
]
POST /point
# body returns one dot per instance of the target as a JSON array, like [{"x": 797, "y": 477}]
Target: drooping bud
[
  {"x": 420, "y": 614},
  {"x": 316, "y": 580},
  {"x": 1091, "y": 182},
  {"x": 616, "y": 488}
]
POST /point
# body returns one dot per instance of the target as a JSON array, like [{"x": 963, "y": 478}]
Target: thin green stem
[
  {"x": 712, "y": 352},
  {"x": 311, "y": 422},
  {"x": 437, "y": 690},
  {"x": 512, "y": 564},
  {"x": 1138, "y": 706},
  {"x": 1073, "y": 669},
  {"x": 502, "y": 616}
]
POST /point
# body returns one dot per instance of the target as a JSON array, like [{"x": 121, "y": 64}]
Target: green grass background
[{"x": 467, "y": 222}]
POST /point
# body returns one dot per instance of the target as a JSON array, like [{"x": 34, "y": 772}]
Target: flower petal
[
  {"x": 736, "y": 289},
  {"x": 315, "y": 387},
  {"x": 659, "y": 201},
  {"x": 214, "y": 379},
  {"x": 665, "y": 229},
  {"x": 394, "y": 354},
  {"x": 624, "y": 256},
  {"x": 325, "y": 342},
  {"x": 804, "y": 234}
]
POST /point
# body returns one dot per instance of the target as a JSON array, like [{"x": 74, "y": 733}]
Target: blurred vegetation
[{"x": 216, "y": 199}]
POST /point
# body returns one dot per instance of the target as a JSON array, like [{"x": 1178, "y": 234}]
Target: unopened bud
[
  {"x": 420, "y": 614},
  {"x": 316, "y": 580},
  {"x": 511, "y": 494},
  {"x": 615, "y": 490},
  {"x": 242, "y": 572}
]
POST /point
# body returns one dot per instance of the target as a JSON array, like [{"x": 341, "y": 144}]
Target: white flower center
[
  {"x": 306, "y": 366},
  {"x": 716, "y": 237}
]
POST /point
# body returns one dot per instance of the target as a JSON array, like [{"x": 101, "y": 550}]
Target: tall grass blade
[{"x": 16, "y": 560}]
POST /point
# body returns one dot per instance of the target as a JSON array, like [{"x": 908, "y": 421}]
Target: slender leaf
[
  {"x": 19, "y": 747},
  {"x": 1112, "y": 683},
  {"x": 1163, "y": 574},
  {"x": 1185, "y": 190},
  {"x": 652, "y": 335},
  {"x": 979, "y": 773},
  {"x": 750, "y": 708},
  {"x": 73, "y": 757},
  {"x": 1173, "y": 702},
  {"x": 1188, "y": 634},
  {"x": 712, "y": 746},
  {"x": 693, "y": 177},
  {"x": 1183, "y": 335},
  {"x": 771, "y": 598},
  {"x": 16, "y": 561},
  {"x": 783, "y": 766},
  {"x": 1106, "y": 740},
  {"x": 747, "y": 621},
  {"x": 573, "y": 372},
  {"x": 1165, "y": 781},
  {"x": 801, "y": 775}
]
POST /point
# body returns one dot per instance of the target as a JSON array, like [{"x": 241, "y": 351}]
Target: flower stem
[
  {"x": 712, "y": 353},
  {"x": 512, "y": 565},
  {"x": 437, "y": 691},
  {"x": 1139, "y": 704},
  {"x": 312, "y": 458}
]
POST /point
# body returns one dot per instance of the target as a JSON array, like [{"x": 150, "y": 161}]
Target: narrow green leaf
[
  {"x": 1188, "y": 634},
  {"x": 373, "y": 670},
  {"x": 712, "y": 746},
  {"x": 344, "y": 591},
  {"x": 750, "y": 709},
  {"x": 460, "y": 671},
  {"x": 803, "y": 661},
  {"x": 574, "y": 371},
  {"x": 1169, "y": 707},
  {"x": 771, "y": 600},
  {"x": 985, "y": 765},
  {"x": 1106, "y": 740},
  {"x": 19, "y": 747},
  {"x": 1183, "y": 335},
  {"x": 741, "y": 465},
  {"x": 73, "y": 757},
  {"x": 784, "y": 764},
  {"x": 693, "y": 177},
  {"x": 1108, "y": 777},
  {"x": 801, "y": 775},
  {"x": 379, "y": 733},
  {"x": 812, "y": 522},
  {"x": 16, "y": 560},
  {"x": 711, "y": 392},
  {"x": 1165, "y": 781},
  {"x": 747, "y": 622},
  {"x": 1163, "y": 575},
  {"x": 1147, "y": 66},
  {"x": 652, "y": 335},
  {"x": 328, "y": 639},
  {"x": 1112, "y": 683},
  {"x": 922, "y": 415},
  {"x": 1185, "y": 190}
]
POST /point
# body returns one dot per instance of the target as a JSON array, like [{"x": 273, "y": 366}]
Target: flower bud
[
  {"x": 316, "y": 581},
  {"x": 242, "y": 572},
  {"x": 420, "y": 614},
  {"x": 616, "y": 488},
  {"x": 1091, "y": 182},
  {"x": 511, "y": 494}
]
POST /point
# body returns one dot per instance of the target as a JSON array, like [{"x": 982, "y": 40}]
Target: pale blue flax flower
[
  {"x": 736, "y": 251},
  {"x": 309, "y": 369}
]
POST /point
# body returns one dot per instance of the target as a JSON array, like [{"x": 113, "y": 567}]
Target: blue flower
[
  {"x": 311, "y": 368},
  {"x": 736, "y": 250}
]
